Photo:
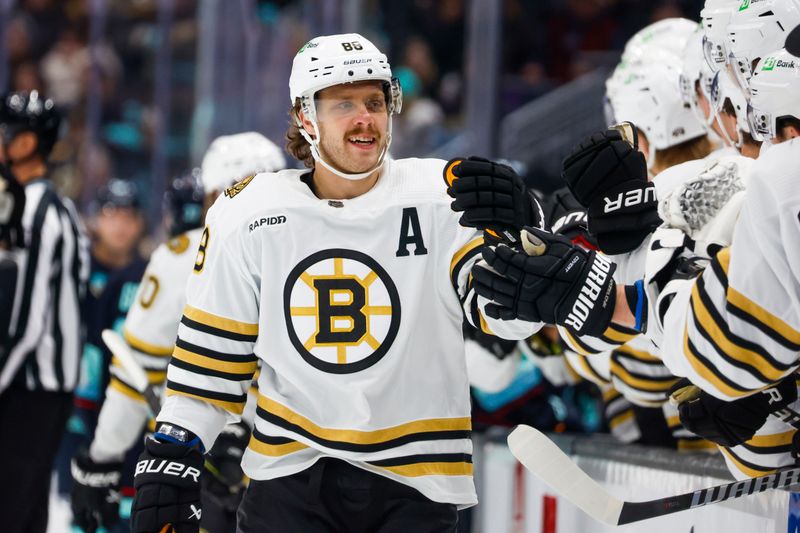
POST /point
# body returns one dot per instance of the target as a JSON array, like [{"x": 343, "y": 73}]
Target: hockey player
[
  {"x": 722, "y": 329},
  {"x": 39, "y": 365},
  {"x": 116, "y": 227},
  {"x": 151, "y": 327},
  {"x": 349, "y": 282}
]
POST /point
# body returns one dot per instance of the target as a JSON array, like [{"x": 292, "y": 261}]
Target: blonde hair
[{"x": 696, "y": 148}]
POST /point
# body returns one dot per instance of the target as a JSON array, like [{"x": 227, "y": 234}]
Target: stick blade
[
  {"x": 542, "y": 457},
  {"x": 119, "y": 348}
]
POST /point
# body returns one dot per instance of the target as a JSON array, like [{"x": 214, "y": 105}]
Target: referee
[{"x": 40, "y": 354}]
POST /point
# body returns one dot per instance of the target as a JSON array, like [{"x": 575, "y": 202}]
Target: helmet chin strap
[{"x": 315, "y": 153}]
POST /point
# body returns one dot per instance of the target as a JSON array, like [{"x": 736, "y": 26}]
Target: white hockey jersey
[
  {"x": 736, "y": 328},
  {"x": 354, "y": 308},
  {"x": 150, "y": 329}
]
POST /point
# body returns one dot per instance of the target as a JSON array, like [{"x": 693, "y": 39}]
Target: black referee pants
[
  {"x": 31, "y": 425},
  {"x": 335, "y": 497}
]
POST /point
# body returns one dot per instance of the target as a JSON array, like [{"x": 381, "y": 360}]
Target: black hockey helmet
[
  {"x": 117, "y": 193},
  {"x": 23, "y": 111},
  {"x": 183, "y": 203}
]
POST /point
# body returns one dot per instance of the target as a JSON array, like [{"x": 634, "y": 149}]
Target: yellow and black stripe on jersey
[
  {"x": 360, "y": 440},
  {"x": 433, "y": 464},
  {"x": 208, "y": 362},
  {"x": 233, "y": 403},
  {"x": 707, "y": 325},
  {"x": 219, "y": 326},
  {"x": 466, "y": 255},
  {"x": 613, "y": 337},
  {"x": 145, "y": 347},
  {"x": 643, "y": 373},
  {"x": 273, "y": 446}
]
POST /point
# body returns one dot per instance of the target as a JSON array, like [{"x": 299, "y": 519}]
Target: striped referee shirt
[{"x": 46, "y": 322}]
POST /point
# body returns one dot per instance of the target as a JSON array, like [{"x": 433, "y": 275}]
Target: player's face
[
  {"x": 119, "y": 228},
  {"x": 353, "y": 121}
]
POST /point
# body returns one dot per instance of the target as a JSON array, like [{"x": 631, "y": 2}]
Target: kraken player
[
  {"x": 349, "y": 283},
  {"x": 152, "y": 323}
]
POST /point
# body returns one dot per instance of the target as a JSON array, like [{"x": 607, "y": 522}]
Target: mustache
[{"x": 363, "y": 131}]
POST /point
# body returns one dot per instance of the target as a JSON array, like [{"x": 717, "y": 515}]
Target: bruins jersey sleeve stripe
[
  {"x": 219, "y": 322},
  {"x": 463, "y": 256},
  {"x": 641, "y": 381},
  {"x": 639, "y": 355},
  {"x": 211, "y": 330},
  {"x": 576, "y": 343},
  {"x": 735, "y": 350},
  {"x": 155, "y": 376},
  {"x": 124, "y": 388},
  {"x": 181, "y": 362},
  {"x": 620, "y": 418},
  {"x": 708, "y": 371},
  {"x": 145, "y": 347},
  {"x": 749, "y": 311},
  {"x": 618, "y": 334},
  {"x": 437, "y": 464},
  {"x": 273, "y": 446},
  {"x": 214, "y": 360},
  {"x": 746, "y": 467},
  {"x": 233, "y": 403},
  {"x": 587, "y": 370}
]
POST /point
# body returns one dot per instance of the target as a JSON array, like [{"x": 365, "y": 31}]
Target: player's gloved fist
[
  {"x": 224, "y": 460},
  {"x": 608, "y": 176},
  {"x": 491, "y": 195},
  {"x": 95, "y": 494},
  {"x": 548, "y": 279},
  {"x": 729, "y": 423},
  {"x": 167, "y": 482}
]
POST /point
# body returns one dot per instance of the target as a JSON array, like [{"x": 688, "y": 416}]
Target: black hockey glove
[
  {"x": 491, "y": 196},
  {"x": 608, "y": 176},
  {"x": 729, "y": 423},
  {"x": 167, "y": 482},
  {"x": 565, "y": 216},
  {"x": 95, "y": 493},
  {"x": 548, "y": 279},
  {"x": 12, "y": 205},
  {"x": 224, "y": 461}
]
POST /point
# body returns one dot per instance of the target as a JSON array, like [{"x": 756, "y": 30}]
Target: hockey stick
[
  {"x": 136, "y": 374},
  {"x": 543, "y": 458}
]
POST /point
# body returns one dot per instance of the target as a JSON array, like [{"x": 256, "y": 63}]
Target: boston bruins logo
[{"x": 342, "y": 310}]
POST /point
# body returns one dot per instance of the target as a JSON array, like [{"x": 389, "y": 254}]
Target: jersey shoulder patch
[
  {"x": 230, "y": 192},
  {"x": 178, "y": 245}
]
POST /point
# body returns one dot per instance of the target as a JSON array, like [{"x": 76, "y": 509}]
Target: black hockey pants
[{"x": 335, "y": 497}]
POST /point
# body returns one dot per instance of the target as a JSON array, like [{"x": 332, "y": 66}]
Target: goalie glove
[
  {"x": 167, "y": 482},
  {"x": 729, "y": 423},
  {"x": 608, "y": 176},
  {"x": 95, "y": 493},
  {"x": 548, "y": 279},
  {"x": 491, "y": 197}
]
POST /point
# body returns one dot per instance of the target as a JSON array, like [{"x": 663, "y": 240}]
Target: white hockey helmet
[
  {"x": 334, "y": 60},
  {"x": 774, "y": 94},
  {"x": 725, "y": 88},
  {"x": 756, "y": 29},
  {"x": 715, "y": 16},
  {"x": 696, "y": 74},
  {"x": 651, "y": 99},
  {"x": 230, "y": 158},
  {"x": 669, "y": 35},
  {"x": 662, "y": 41}
]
